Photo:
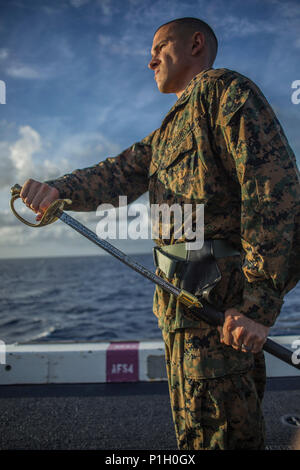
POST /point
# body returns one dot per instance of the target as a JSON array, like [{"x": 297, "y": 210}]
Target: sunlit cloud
[
  {"x": 125, "y": 46},
  {"x": 18, "y": 159},
  {"x": 26, "y": 71}
]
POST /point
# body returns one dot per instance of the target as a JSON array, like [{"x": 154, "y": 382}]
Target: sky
[{"x": 78, "y": 90}]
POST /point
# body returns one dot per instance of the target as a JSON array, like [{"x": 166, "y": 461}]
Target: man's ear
[{"x": 198, "y": 43}]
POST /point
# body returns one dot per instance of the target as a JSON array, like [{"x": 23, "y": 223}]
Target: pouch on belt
[
  {"x": 197, "y": 270},
  {"x": 203, "y": 354}
]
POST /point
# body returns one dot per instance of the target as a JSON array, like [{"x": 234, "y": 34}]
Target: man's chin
[{"x": 163, "y": 88}]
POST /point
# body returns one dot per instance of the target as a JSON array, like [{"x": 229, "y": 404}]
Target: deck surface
[{"x": 133, "y": 416}]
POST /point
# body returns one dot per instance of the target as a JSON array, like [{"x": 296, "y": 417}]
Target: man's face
[{"x": 170, "y": 60}]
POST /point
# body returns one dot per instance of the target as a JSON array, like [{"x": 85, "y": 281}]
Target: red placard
[{"x": 122, "y": 362}]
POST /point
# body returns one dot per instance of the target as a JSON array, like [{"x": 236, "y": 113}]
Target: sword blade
[
  {"x": 202, "y": 309},
  {"x": 112, "y": 250},
  {"x": 207, "y": 313}
]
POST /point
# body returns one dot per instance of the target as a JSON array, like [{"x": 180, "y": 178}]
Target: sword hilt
[{"x": 50, "y": 214}]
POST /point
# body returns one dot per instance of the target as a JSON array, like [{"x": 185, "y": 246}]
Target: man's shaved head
[{"x": 186, "y": 27}]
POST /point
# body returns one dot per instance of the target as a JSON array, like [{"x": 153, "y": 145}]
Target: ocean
[{"x": 90, "y": 298}]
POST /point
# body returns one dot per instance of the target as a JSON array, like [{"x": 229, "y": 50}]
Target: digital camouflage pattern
[
  {"x": 220, "y": 145},
  {"x": 213, "y": 411}
]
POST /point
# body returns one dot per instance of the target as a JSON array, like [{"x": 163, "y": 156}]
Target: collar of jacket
[{"x": 185, "y": 95}]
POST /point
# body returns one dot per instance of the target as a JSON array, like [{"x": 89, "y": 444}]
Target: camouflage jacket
[{"x": 220, "y": 145}]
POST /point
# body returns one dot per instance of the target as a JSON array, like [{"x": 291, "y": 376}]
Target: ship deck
[{"x": 119, "y": 416}]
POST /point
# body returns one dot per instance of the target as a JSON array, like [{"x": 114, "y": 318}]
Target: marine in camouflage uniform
[{"x": 220, "y": 145}]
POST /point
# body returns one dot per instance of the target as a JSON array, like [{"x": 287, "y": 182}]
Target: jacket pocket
[
  {"x": 176, "y": 150},
  {"x": 169, "y": 154}
]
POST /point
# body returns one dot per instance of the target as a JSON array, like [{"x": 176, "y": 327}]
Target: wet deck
[{"x": 133, "y": 416}]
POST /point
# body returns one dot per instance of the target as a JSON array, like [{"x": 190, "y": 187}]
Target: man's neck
[{"x": 192, "y": 74}]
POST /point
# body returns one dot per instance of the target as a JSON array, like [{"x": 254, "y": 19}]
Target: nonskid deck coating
[{"x": 122, "y": 416}]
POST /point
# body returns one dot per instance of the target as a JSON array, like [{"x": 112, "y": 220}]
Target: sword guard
[
  {"x": 189, "y": 300},
  {"x": 50, "y": 214}
]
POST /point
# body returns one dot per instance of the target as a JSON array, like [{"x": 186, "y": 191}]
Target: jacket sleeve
[
  {"x": 264, "y": 166},
  {"x": 125, "y": 174}
]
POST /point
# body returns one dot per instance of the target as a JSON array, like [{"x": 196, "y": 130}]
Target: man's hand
[
  {"x": 38, "y": 196},
  {"x": 242, "y": 333}
]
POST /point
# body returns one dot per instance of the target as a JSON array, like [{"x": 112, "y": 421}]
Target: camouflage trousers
[{"x": 215, "y": 392}]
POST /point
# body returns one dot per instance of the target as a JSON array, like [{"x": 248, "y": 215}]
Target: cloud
[
  {"x": 18, "y": 162},
  {"x": 3, "y": 53},
  {"x": 106, "y": 6},
  {"x": 297, "y": 43},
  {"x": 237, "y": 26},
  {"x": 78, "y": 3},
  {"x": 287, "y": 9},
  {"x": 283, "y": 19},
  {"x": 124, "y": 46},
  {"x": 155, "y": 12},
  {"x": 31, "y": 156},
  {"x": 18, "y": 240},
  {"x": 20, "y": 70},
  {"x": 86, "y": 148}
]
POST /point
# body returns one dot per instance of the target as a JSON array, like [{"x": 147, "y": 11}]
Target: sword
[{"x": 202, "y": 309}]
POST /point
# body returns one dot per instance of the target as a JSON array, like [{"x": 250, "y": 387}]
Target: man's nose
[{"x": 153, "y": 63}]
